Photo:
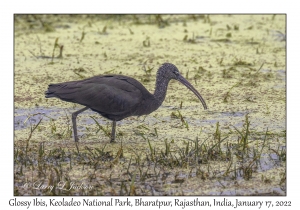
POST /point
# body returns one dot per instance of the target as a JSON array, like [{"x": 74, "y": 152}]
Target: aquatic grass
[
  {"x": 214, "y": 154},
  {"x": 228, "y": 73},
  {"x": 191, "y": 40},
  {"x": 156, "y": 19},
  {"x": 282, "y": 180},
  {"x": 206, "y": 19},
  {"x": 40, "y": 159},
  {"x": 82, "y": 36},
  {"x": 187, "y": 74},
  {"x": 160, "y": 21},
  {"x": 180, "y": 116},
  {"x": 239, "y": 62},
  {"x": 136, "y": 20},
  {"x": 46, "y": 25},
  {"x": 131, "y": 32},
  {"x": 54, "y": 47},
  {"x": 227, "y": 94},
  {"x": 243, "y": 141},
  {"x": 104, "y": 30},
  {"x": 132, "y": 186},
  {"x": 118, "y": 156},
  {"x": 32, "y": 129},
  {"x": 143, "y": 167},
  {"x": 281, "y": 153},
  {"x": 66, "y": 133},
  {"x": 105, "y": 55},
  {"x": 100, "y": 127},
  {"x": 152, "y": 151},
  {"x": 146, "y": 42}
]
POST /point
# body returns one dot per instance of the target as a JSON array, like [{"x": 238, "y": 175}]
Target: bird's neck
[{"x": 161, "y": 89}]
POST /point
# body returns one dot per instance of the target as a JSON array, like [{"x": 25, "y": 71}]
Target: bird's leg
[
  {"x": 113, "y": 132},
  {"x": 74, "y": 115}
]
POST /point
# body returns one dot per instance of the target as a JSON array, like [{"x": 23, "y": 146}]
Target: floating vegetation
[
  {"x": 152, "y": 163},
  {"x": 237, "y": 147}
]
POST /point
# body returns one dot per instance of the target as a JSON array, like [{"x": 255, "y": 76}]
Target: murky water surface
[{"x": 236, "y": 62}]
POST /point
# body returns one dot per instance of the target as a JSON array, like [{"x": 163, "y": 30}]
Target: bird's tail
[{"x": 52, "y": 88}]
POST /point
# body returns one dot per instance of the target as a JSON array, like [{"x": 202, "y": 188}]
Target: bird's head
[{"x": 168, "y": 71}]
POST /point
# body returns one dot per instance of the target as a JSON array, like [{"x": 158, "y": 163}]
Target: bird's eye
[{"x": 176, "y": 73}]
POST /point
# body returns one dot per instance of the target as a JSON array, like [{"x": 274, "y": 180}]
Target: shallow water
[
  {"x": 220, "y": 51},
  {"x": 25, "y": 118}
]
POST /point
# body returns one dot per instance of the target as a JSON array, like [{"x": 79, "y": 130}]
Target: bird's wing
[{"x": 104, "y": 94}]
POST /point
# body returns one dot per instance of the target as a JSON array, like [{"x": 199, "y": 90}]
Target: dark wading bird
[{"x": 116, "y": 97}]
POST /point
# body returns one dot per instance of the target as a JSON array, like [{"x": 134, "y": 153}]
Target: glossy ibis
[{"x": 116, "y": 97}]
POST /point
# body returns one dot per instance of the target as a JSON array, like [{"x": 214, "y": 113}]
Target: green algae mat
[{"x": 236, "y": 147}]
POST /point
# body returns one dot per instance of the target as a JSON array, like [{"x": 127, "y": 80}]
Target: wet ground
[{"x": 236, "y": 62}]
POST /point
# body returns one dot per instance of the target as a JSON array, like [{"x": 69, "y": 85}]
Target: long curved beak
[{"x": 189, "y": 86}]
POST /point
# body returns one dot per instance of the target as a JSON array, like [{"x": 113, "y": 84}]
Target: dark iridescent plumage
[{"x": 116, "y": 97}]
